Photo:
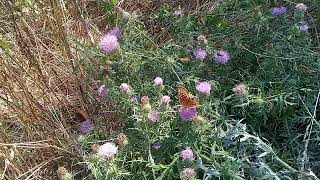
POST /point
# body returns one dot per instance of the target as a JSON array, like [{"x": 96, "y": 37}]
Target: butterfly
[{"x": 187, "y": 100}]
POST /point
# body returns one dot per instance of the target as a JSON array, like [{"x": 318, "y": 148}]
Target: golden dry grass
[{"x": 41, "y": 85}]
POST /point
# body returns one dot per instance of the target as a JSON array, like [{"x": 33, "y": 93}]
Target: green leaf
[
  {"x": 212, "y": 20},
  {"x": 222, "y": 25},
  {"x": 114, "y": 2}
]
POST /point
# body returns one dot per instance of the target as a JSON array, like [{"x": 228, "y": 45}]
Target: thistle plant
[{"x": 253, "y": 93}]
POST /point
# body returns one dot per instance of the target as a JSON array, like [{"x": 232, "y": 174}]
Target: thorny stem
[{"x": 151, "y": 161}]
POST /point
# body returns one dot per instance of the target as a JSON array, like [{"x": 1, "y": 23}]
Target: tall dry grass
[{"x": 41, "y": 84}]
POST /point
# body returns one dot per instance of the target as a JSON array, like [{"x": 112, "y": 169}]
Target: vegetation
[{"x": 207, "y": 90}]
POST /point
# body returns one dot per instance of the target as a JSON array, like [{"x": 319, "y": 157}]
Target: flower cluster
[
  {"x": 187, "y": 173},
  {"x": 282, "y": 10},
  {"x": 153, "y": 109},
  {"x": 220, "y": 57},
  {"x": 64, "y": 174},
  {"x": 304, "y": 28}
]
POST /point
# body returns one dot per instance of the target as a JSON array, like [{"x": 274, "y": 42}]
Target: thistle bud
[
  {"x": 301, "y": 7},
  {"x": 202, "y": 39},
  {"x": 146, "y": 107},
  {"x": 122, "y": 139},
  {"x": 95, "y": 148},
  {"x": 200, "y": 120},
  {"x": 165, "y": 103},
  {"x": 63, "y": 174},
  {"x": 158, "y": 83},
  {"x": 125, "y": 89},
  {"x": 240, "y": 90},
  {"x": 188, "y": 174}
]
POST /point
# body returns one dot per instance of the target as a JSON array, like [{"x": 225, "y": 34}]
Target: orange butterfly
[{"x": 187, "y": 100}]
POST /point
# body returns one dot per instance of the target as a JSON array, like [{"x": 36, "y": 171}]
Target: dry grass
[
  {"x": 41, "y": 81},
  {"x": 41, "y": 85}
]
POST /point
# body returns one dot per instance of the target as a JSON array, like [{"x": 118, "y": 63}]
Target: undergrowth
[
  {"x": 258, "y": 120},
  {"x": 270, "y": 132}
]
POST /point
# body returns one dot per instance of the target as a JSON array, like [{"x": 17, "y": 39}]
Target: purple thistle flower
[
  {"x": 109, "y": 43},
  {"x": 222, "y": 57},
  {"x": 178, "y": 12},
  {"x": 158, "y": 81},
  {"x": 122, "y": 139},
  {"x": 154, "y": 116},
  {"x": 115, "y": 32},
  {"x": 240, "y": 90},
  {"x": 200, "y": 54},
  {"x": 188, "y": 174},
  {"x": 187, "y": 154},
  {"x": 165, "y": 100},
  {"x": 165, "y": 103},
  {"x": 301, "y": 7},
  {"x": 304, "y": 28},
  {"x": 108, "y": 150},
  {"x": 279, "y": 11},
  {"x": 204, "y": 88},
  {"x": 125, "y": 88},
  {"x": 134, "y": 99},
  {"x": 202, "y": 39},
  {"x": 188, "y": 114},
  {"x": 86, "y": 126},
  {"x": 145, "y": 99},
  {"x": 103, "y": 91},
  {"x": 156, "y": 146}
]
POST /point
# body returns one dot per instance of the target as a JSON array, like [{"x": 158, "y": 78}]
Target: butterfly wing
[{"x": 187, "y": 100}]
